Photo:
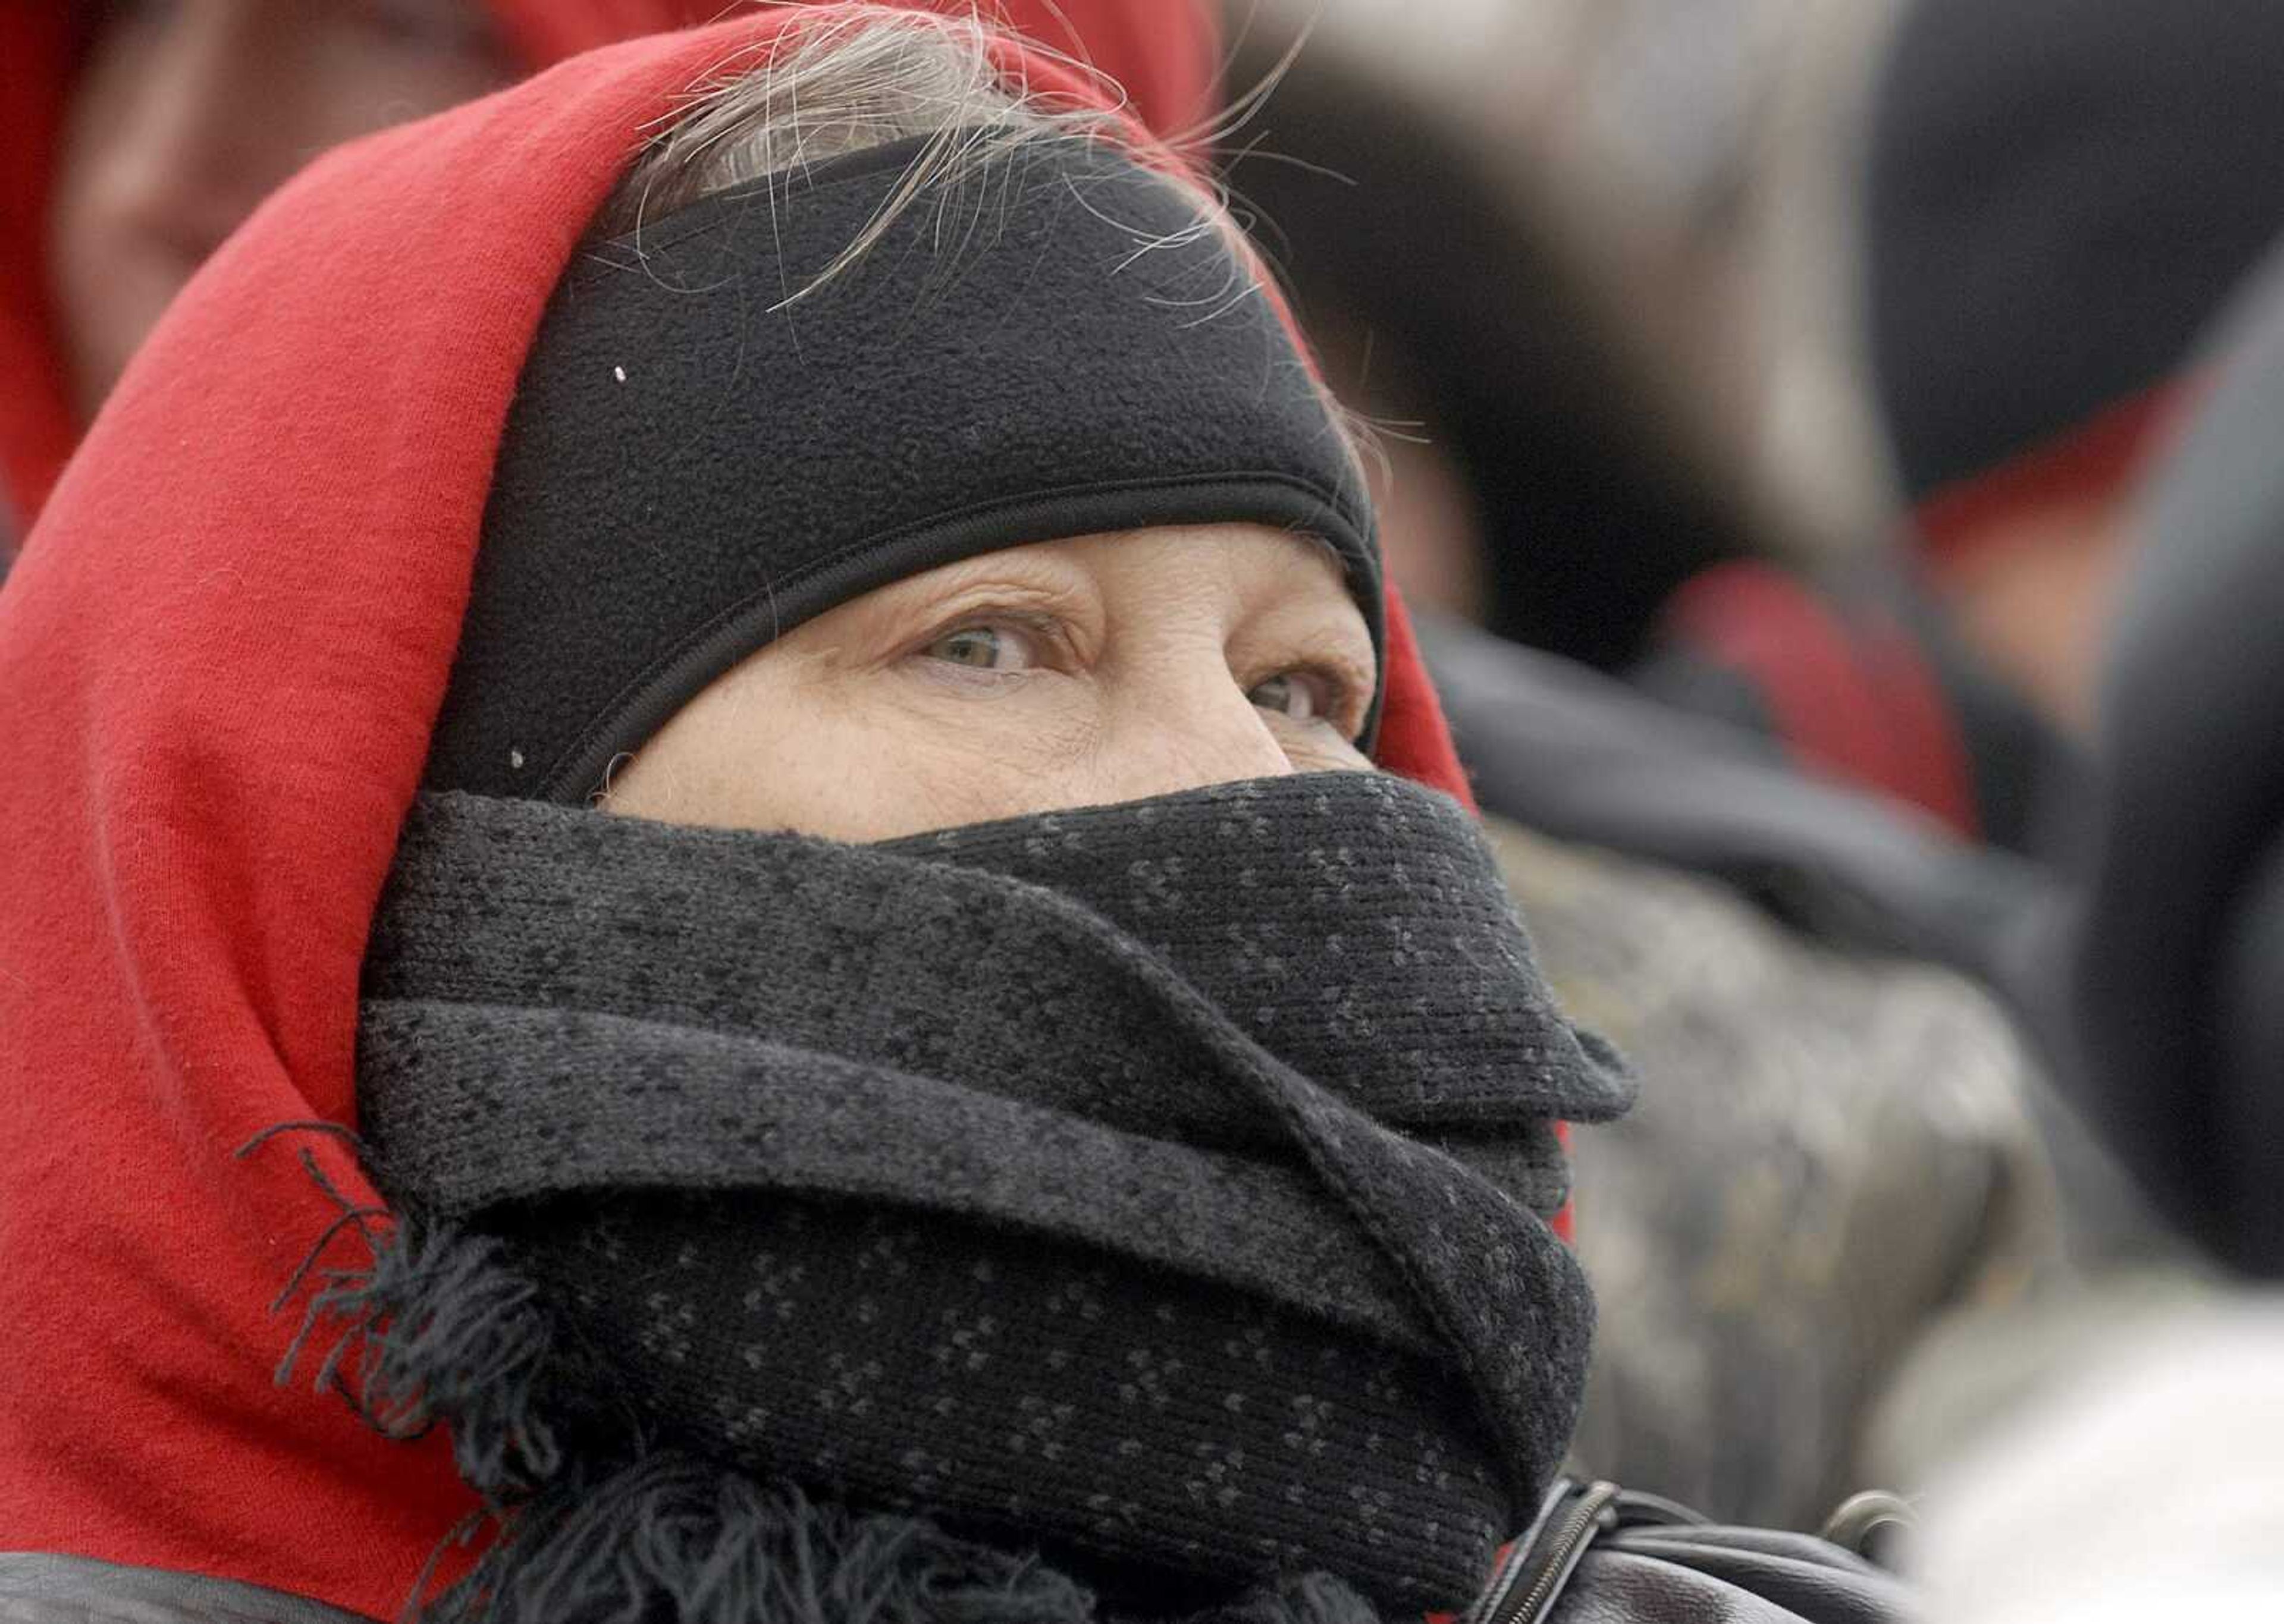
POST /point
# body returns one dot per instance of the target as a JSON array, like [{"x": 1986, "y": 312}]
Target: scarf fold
[{"x": 1160, "y": 1185}]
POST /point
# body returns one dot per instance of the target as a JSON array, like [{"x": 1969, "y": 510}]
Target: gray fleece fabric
[{"x": 1162, "y": 1185}]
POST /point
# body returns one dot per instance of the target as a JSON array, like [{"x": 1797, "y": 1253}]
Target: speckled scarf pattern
[{"x": 1160, "y": 1186}]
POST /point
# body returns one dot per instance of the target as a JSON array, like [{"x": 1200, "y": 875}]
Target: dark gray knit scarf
[{"x": 1159, "y": 1187}]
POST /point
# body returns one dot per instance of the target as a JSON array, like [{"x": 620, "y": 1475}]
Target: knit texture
[
  {"x": 1057, "y": 345},
  {"x": 1064, "y": 1177},
  {"x": 673, "y": 1536}
]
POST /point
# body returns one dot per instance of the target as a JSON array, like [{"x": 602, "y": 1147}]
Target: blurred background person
[
  {"x": 136, "y": 135},
  {"x": 2180, "y": 952},
  {"x": 2056, "y": 198},
  {"x": 1836, "y": 1147},
  {"x": 2171, "y": 1002}
]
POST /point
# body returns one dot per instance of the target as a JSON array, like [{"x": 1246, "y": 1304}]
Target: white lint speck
[
  {"x": 620, "y": 373},
  {"x": 515, "y": 759}
]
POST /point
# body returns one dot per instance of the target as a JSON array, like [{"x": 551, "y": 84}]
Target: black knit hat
[{"x": 2060, "y": 196}]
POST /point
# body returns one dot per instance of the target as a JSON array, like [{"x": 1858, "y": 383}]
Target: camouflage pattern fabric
[{"x": 1831, "y": 1154}]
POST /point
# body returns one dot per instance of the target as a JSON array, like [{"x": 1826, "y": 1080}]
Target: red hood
[
  {"x": 1164, "y": 53},
  {"x": 223, "y": 651}
]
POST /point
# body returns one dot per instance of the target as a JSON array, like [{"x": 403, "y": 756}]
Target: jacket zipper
[{"x": 1553, "y": 1556}]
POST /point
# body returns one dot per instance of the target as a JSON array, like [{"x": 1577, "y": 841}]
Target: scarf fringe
[
  {"x": 671, "y": 1537},
  {"x": 439, "y": 1328}
]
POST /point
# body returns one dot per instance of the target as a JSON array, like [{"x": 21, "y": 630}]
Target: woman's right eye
[{"x": 983, "y": 648}]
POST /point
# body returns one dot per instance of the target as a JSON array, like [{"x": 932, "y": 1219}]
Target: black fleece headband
[{"x": 1054, "y": 345}]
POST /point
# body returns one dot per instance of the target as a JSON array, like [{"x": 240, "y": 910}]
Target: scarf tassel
[{"x": 438, "y": 1328}]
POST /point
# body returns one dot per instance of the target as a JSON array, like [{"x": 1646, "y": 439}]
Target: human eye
[
  {"x": 1297, "y": 696},
  {"x": 987, "y": 646}
]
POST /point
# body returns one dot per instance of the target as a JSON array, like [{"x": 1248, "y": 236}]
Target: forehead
[{"x": 1250, "y": 568}]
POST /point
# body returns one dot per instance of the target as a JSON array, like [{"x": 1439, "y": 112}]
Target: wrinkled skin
[{"x": 1073, "y": 673}]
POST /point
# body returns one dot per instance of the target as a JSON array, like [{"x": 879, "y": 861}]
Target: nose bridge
[{"x": 1187, "y": 724}]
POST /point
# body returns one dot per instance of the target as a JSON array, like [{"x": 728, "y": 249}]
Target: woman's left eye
[
  {"x": 983, "y": 648},
  {"x": 1299, "y": 696}
]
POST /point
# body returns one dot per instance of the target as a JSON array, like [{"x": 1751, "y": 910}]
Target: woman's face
[
  {"x": 1075, "y": 673},
  {"x": 188, "y": 113}
]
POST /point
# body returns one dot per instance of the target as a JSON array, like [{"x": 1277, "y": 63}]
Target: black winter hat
[
  {"x": 2060, "y": 195},
  {"x": 1056, "y": 345}
]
